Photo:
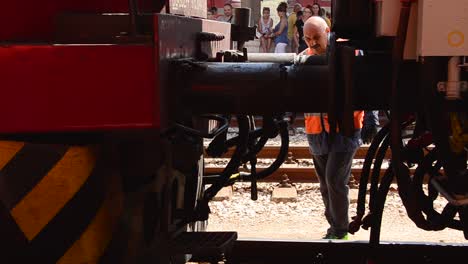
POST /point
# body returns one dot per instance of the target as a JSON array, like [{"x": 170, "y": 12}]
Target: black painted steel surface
[
  {"x": 350, "y": 252},
  {"x": 273, "y": 87}
]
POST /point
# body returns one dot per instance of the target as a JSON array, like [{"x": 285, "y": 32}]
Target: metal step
[{"x": 204, "y": 246}]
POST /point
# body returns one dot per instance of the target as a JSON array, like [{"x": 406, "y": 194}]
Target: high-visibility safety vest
[
  {"x": 309, "y": 52},
  {"x": 315, "y": 123}
]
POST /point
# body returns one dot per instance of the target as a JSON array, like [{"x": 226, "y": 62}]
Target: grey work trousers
[{"x": 334, "y": 170}]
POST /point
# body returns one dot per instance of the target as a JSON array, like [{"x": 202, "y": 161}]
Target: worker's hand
[{"x": 368, "y": 133}]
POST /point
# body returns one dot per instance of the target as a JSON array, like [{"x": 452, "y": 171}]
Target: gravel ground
[
  {"x": 304, "y": 219},
  {"x": 222, "y": 162},
  {"x": 299, "y": 139}
]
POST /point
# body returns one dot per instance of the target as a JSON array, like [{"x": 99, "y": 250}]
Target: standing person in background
[
  {"x": 296, "y": 39},
  {"x": 210, "y": 15},
  {"x": 299, "y": 29},
  {"x": 324, "y": 16},
  {"x": 317, "y": 11},
  {"x": 264, "y": 27},
  {"x": 332, "y": 158},
  {"x": 280, "y": 32},
  {"x": 291, "y": 22},
  {"x": 214, "y": 13},
  {"x": 227, "y": 17}
]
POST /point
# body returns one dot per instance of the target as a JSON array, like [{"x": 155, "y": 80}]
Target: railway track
[
  {"x": 296, "y": 170},
  {"x": 295, "y": 173},
  {"x": 300, "y": 152},
  {"x": 298, "y": 167}
]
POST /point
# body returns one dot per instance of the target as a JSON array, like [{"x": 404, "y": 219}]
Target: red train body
[{"x": 60, "y": 75}]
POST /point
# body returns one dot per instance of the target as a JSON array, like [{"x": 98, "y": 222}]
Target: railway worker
[{"x": 332, "y": 160}]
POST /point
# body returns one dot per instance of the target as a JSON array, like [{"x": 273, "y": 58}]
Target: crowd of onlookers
[
  {"x": 227, "y": 15},
  {"x": 287, "y": 35}
]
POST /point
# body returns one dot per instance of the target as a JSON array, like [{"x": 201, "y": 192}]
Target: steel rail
[
  {"x": 301, "y": 152},
  {"x": 294, "y": 173}
]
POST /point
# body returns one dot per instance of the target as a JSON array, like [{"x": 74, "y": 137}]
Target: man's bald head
[
  {"x": 316, "y": 23},
  {"x": 316, "y": 34}
]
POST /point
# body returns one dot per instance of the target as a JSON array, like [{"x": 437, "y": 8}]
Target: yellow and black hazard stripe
[{"x": 58, "y": 203}]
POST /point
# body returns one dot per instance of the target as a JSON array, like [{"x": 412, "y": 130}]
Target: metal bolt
[
  {"x": 290, "y": 158},
  {"x": 285, "y": 182}
]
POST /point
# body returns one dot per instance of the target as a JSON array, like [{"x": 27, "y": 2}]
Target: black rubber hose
[
  {"x": 409, "y": 198},
  {"x": 202, "y": 209},
  {"x": 437, "y": 221},
  {"x": 433, "y": 193},
  {"x": 282, "y": 155},
  {"x": 445, "y": 219},
  {"x": 379, "y": 206},
  {"x": 251, "y": 157},
  {"x": 258, "y": 146},
  {"x": 361, "y": 203},
  {"x": 417, "y": 182},
  {"x": 197, "y": 133},
  {"x": 253, "y": 185},
  {"x": 265, "y": 135},
  {"x": 217, "y": 147},
  {"x": 376, "y": 173},
  {"x": 375, "y": 177},
  {"x": 215, "y": 150},
  {"x": 235, "y": 161},
  {"x": 252, "y": 134}
]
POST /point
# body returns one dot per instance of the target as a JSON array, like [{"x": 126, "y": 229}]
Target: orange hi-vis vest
[
  {"x": 313, "y": 122},
  {"x": 309, "y": 52}
]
